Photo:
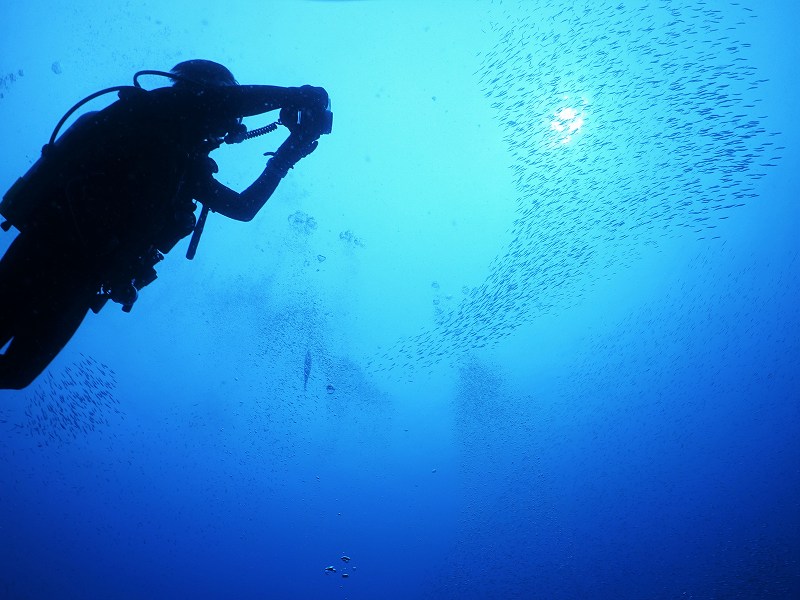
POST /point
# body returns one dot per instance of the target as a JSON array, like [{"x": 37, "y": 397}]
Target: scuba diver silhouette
[{"x": 118, "y": 190}]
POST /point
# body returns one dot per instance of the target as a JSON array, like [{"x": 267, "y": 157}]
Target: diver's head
[{"x": 203, "y": 73}]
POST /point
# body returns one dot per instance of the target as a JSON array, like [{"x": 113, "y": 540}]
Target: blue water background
[{"x": 525, "y": 379}]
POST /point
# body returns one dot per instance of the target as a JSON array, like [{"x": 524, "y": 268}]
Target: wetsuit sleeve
[
  {"x": 240, "y": 207},
  {"x": 244, "y": 206}
]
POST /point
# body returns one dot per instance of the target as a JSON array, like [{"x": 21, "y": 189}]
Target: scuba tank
[
  {"x": 35, "y": 194},
  {"x": 22, "y": 200},
  {"x": 41, "y": 192},
  {"x": 38, "y": 188}
]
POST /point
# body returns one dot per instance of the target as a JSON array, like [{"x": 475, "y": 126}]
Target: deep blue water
[{"x": 542, "y": 279}]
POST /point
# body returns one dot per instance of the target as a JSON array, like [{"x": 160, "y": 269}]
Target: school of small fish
[
  {"x": 73, "y": 403},
  {"x": 626, "y": 124}
]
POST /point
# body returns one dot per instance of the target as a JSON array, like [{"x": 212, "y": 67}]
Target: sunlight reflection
[{"x": 567, "y": 121}]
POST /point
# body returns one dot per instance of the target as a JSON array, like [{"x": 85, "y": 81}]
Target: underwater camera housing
[
  {"x": 320, "y": 122},
  {"x": 308, "y": 121}
]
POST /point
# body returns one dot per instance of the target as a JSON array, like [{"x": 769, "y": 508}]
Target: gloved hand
[
  {"x": 291, "y": 151},
  {"x": 307, "y": 118}
]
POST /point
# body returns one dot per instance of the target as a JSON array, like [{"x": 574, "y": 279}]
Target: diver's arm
[
  {"x": 240, "y": 207},
  {"x": 245, "y": 206},
  {"x": 302, "y": 141}
]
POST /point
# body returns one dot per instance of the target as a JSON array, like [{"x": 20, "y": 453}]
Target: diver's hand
[
  {"x": 294, "y": 149},
  {"x": 298, "y": 147}
]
